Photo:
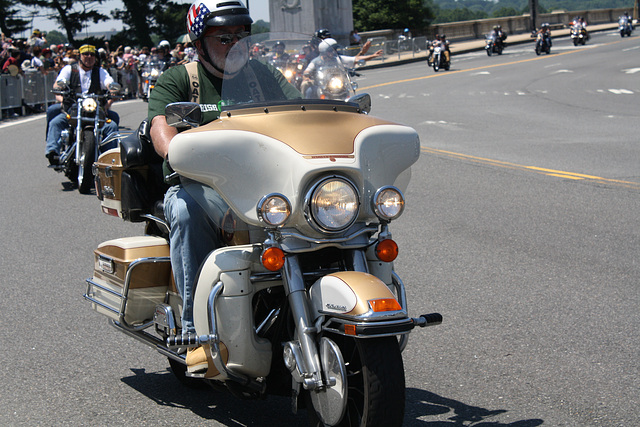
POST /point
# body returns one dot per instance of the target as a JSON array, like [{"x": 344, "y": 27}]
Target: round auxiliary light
[
  {"x": 334, "y": 204},
  {"x": 89, "y": 105},
  {"x": 274, "y": 209},
  {"x": 388, "y": 203}
]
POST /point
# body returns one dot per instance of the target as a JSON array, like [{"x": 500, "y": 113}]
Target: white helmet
[
  {"x": 327, "y": 45},
  {"x": 216, "y": 13}
]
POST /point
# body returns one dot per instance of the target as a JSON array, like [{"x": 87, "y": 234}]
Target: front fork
[{"x": 302, "y": 357}]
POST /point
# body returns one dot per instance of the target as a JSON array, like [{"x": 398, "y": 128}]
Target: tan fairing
[
  {"x": 249, "y": 155},
  {"x": 318, "y": 132}
]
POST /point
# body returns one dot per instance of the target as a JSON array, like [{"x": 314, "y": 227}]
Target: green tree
[
  {"x": 371, "y": 15},
  {"x": 56, "y": 37},
  {"x": 150, "y": 20},
  {"x": 10, "y": 23},
  {"x": 504, "y": 11},
  {"x": 72, "y": 15}
]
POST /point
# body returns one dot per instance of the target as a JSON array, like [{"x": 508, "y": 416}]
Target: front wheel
[
  {"x": 489, "y": 49},
  {"x": 85, "y": 162},
  {"x": 374, "y": 382},
  {"x": 538, "y": 49}
]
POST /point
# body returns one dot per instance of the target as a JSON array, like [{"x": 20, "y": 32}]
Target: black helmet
[{"x": 323, "y": 33}]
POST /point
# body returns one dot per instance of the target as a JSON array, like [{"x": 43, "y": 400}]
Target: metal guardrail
[
  {"x": 29, "y": 89},
  {"x": 33, "y": 88}
]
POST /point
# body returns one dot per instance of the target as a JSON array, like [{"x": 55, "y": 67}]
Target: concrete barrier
[{"x": 476, "y": 29}]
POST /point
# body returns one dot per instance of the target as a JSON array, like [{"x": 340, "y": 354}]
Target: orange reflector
[
  {"x": 350, "y": 329},
  {"x": 384, "y": 304},
  {"x": 110, "y": 211},
  {"x": 272, "y": 259},
  {"x": 387, "y": 250},
  {"x": 68, "y": 117}
]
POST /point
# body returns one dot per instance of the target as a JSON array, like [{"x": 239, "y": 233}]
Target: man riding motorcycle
[
  {"x": 86, "y": 77},
  {"x": 214, "y": 28},
  {"x": 500, "y": 36}
]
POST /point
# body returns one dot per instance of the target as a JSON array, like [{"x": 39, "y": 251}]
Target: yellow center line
[{"x": 544, "y": 171}]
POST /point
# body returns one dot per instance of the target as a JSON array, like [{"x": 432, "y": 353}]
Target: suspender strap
[{"x": 194, "y": 84}]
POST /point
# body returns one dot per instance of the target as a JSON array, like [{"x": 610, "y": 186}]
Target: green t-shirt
[{"x": 173, "y": 86}]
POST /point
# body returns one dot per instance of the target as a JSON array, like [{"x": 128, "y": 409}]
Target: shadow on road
[
  {"x": 222, "y": 407},
  {"x": 421, "y": 404}
]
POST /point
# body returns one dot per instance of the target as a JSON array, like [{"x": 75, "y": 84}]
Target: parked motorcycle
[
  {"x": 625, "y": 26},
  {"x": 493, "y": 44},
  {"x": 439, "y": 58},
  {"x": 542, "y": 45},
  {"x": 579, "y": 34},
  {"x": 303, "y": 299},
  {"x": 82, "y": 141},
  {"x": 151, "y": 70}
]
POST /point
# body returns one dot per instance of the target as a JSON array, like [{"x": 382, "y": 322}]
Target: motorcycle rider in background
[
  {"x": 214, "y": 29},
  {"x": 500, "y": 35},
  {"x": 328, "y": 55},
  {"x": 434, "y": 43},
  {"x": 445, "y": 43},
  {"x": 86, "y": 77},
  {"x": 546, "y": 33}
]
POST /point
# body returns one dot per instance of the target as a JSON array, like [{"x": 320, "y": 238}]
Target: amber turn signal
[
  {"x": 384, "y": 304},
  {"x": 272, "y": 259},
  {"x": 387, "y": 250}
]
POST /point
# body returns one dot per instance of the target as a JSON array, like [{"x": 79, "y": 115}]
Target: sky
[{"x": 259, "y": 9}]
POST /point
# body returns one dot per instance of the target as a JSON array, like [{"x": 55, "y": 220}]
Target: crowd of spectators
[{"x": 35, "y": 54}]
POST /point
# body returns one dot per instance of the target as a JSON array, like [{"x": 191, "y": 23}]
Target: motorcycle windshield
[{"x": 281, "y": 68}]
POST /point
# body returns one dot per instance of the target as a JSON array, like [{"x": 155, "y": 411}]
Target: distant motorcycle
[
  {"x": 493, "y": 44},
  {"x": 579, "y": 35},
  {"x": 150, "y": 73},
  {"x": 625, "y": 26},
  {"x": 82, "y": 141},
  {"x": 440, "y": 59},
  {"x": 542, "y": 44}
]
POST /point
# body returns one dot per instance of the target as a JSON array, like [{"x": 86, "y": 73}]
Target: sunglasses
[
  {"x": 225, "y": 39},
  {"x": 88, "y": 54}
]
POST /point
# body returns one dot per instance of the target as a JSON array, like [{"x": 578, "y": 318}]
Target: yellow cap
[{"x": 87, "y": 48}]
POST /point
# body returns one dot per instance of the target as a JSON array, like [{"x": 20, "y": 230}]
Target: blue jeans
[
  {"x": 59, "y": 123},
  {"x": 192, "y": 237}
]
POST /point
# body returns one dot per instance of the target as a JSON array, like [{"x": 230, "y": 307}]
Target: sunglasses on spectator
[
  {"x": 225, "y": 39},
  {"x": 88, "y": 54}
]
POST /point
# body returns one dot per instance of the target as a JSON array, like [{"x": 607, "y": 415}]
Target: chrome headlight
[
  {"x": 155, "y": 72},
  {"x": 388, "y": 203},
  {"x": 274, "y": 209},
  {"x": 89, "y": 105},
  {"x": 333, "y": 204},
  {"x": 336, "y": 84}
]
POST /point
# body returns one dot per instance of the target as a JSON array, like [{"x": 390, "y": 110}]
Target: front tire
[
  {"x": 375, "y": 382},
  {"x": 85, "y": 163}
]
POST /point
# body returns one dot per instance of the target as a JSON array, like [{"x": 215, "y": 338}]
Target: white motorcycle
[{"x": 303, "y": 299}]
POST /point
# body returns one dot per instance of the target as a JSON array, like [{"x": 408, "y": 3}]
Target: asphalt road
[{"x": 521, "y": 229}]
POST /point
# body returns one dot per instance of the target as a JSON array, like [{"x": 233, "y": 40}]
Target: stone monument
[{"x": 307, "y": 16}]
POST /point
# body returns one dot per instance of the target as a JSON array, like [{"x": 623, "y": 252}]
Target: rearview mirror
[
  {"x": 183, "y": 114},
  {"x": 363, "y": 101}
]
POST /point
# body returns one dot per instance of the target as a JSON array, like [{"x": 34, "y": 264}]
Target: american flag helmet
[{"x": 216, "y": 13}]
